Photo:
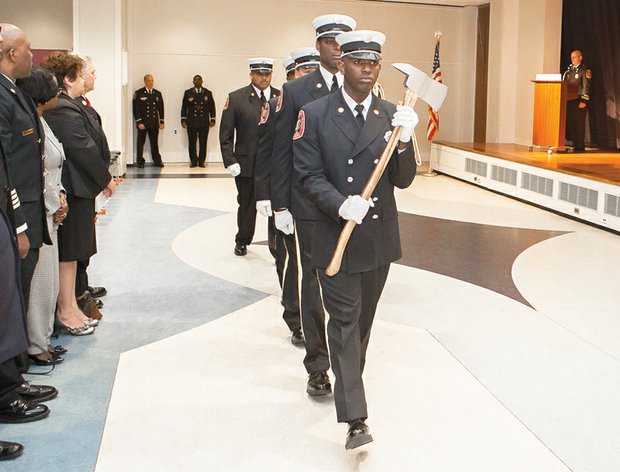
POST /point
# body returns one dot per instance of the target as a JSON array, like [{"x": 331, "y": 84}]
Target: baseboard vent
[
  {"x": 504, "y": 174},
  {"x": 537, "y": 184},
  {"x": 476, "y": 167},
  {"x": 577, "y": 195},
  {"x": 612, "y": 205}
]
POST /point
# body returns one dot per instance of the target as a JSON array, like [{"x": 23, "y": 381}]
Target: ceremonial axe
[{"x": 418, "y": 85}]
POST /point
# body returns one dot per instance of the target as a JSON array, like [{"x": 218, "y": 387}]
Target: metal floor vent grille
[
  {"x": 476, "y": 167},
  {"x": 537, "y": 184},
  {"x": 612, "y": 205},
  {"x": 503, "y": 174},
  {"x": 577, "y": 195}
]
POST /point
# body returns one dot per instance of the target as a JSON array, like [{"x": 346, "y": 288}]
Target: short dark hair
[
  {"x": 39, "y": 85},
  {"x": 63, "y": 65}
]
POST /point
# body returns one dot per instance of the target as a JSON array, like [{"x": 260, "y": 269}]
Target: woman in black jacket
[{"x": 84, "y": 176}]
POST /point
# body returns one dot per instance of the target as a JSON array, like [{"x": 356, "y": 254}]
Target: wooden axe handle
[{"x": 334, "y": 265}]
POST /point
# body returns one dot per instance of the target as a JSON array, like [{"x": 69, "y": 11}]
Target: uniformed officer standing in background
[
  {"x": 289, "y": 203},
  {"x": 197, "y": 116},
  {"x": 337, "y": 142},
  {"x": 239, "y": 142},
  {"x": 148, "y": 111},
  {"x": 577, "y": 74}
]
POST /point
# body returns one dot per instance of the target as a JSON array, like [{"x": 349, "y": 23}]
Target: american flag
[{"x": 433, "y": 117}]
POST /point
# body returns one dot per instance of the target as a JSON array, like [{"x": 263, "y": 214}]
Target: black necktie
[
  {"x": 334, "y": 84},
  {"x": 359, "y": 118},
  {"x": 262, "y": 97}
]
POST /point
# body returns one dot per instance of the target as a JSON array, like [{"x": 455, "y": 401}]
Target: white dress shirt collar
[
  {"x": 328, "y": 77},
  {"x": 352, "y": 103},
  {"x": 267, "y": 92}
]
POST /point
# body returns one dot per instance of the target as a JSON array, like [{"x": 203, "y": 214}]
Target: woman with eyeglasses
[{"x": 85, "y": 175}]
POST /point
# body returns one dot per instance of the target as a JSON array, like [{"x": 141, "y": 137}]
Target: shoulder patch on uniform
[
  {"x": 279, "y": 105},
  {"x": 264, "y": 114},
  {"x": 226, "y": 104},
  {"x": 300, "y": 127},
  {"x": 588, "y": 73}
]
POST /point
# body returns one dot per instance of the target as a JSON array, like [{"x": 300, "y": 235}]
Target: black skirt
[{"x": 76, "y": 235}]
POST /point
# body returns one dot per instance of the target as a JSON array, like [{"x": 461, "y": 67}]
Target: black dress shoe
[
  {"x": 241, "y": 250},
  {"x": 36, "y": 393},
  {"x": 97, "y": 292},
  {"x": 21, "y": 411},
  {"x": 202, "y": 165},
  {"x": 159, "y": 164},
  {"x": 193, "y": 164},
  {"x": 53, "y": 359},
  {"x": 358, "y": 434},
  {"x": 140, "y": 166},
  {"x": 10, "y": 450},
  {"x": 297, "y": 337},
  {"x": 318, "y": 384},
  {"x": 98, "y": 302}
]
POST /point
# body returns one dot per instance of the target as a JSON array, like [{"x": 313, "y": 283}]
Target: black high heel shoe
[{"x": 50, "y": 360}]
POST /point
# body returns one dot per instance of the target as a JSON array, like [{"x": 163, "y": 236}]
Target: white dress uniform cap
[
  {"x": 304, "y": 57},
  {"x": 289, "y": 64},
  {"x": 332, "y": 25},
  {"x": 361, "y": 44},
  {"x": 261, "y": 64}
]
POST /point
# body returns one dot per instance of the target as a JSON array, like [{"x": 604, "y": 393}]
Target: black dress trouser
[
  {"x": 197, "y": 134},
  {"x": 153, "y": 135},
  {"x": 246, "y": 213},
  {"x": 576, "y": 124}
]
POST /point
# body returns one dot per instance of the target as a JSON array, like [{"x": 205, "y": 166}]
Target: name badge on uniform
[
  {"x": 28, "y": 132},
  {"x": 143, "y": 99},
  {"x": 190, "y": 99}
]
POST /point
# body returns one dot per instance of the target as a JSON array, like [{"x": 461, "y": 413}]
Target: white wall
[
  {"x": 176, "y": 40},
  {"x": 525, "y": 39},
  {"x": 47, "y": 23}
]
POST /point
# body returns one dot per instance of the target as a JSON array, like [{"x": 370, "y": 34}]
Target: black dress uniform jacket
[
  {"x": 284, "y": 191},
  {"x": 22, "y": 137},
  {"x": 12, "y": 328},
  {"x": 198, "y": 108},
  {"x": 579, "y": 76},
  {"x": 262, "y": 170},
  {"x": 239, "y": 128},
  {"x": 84, "y": 172},
  {"x": 335, "y": 160},
  {"x": 148, "y": 108}
]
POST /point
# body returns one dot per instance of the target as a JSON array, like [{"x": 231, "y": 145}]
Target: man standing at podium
[{"x": 577, "y": 74}]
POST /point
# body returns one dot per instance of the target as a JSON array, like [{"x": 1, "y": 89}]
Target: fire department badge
[
  {"x": 279, "y": 105},
  {"x": 264, "y": 115},
  {"x": 300, "y": 127},
  {"x": 387, "y": 136}
]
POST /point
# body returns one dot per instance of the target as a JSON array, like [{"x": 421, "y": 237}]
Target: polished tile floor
[{"x": 496, "y": 346}]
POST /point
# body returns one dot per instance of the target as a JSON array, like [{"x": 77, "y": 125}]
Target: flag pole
[{"x": 430, "y": 172}]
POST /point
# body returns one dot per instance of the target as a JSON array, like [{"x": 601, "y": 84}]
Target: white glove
[
  {"x": 234, "y": 169},
  {"x": 355, "y": 208},
  {"x": 264, "y": 207},
  {"x": 284, "y": 221},
  {"x": 408, "y": 119}
]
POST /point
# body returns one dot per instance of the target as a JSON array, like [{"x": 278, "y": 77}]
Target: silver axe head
[{"x": 429, "y": 90}]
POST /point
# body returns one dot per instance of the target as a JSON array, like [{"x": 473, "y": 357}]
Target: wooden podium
[{"x": 550, "y": 97}]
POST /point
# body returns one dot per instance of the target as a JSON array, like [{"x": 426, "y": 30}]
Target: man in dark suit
[
  {"x": 17, "y": 397},
  {"x": 287, "y": 200},
  {"x": 197, "y": 116},
  {"x": 282, "y": 246},
  {"x": 579, "y": 75},
  {"x": 22, "y": 138},
  {"x": 337, "y": 142},
  {"x": 148, "y": 111},
  {"x": 239, "y": 141}
]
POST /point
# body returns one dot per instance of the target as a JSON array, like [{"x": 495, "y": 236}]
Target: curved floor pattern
[{"x": 460, "y": 376}]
